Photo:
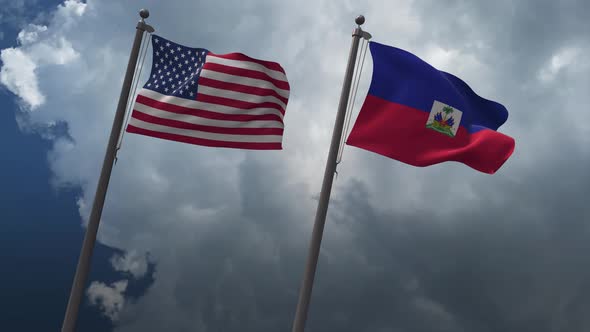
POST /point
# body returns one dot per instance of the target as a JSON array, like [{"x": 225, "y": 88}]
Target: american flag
[{"x": 220, "y": 100}]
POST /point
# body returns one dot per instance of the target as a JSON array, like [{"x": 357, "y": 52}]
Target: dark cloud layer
[{"x": 516, "y": 266}]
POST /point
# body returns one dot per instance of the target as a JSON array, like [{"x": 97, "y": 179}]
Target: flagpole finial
[
  {"x": 360, "y": 20},
  {"x": 144, "y": 13}
]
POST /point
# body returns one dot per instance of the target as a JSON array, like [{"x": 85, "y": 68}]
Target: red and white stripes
[{"x": 240, "y": 102}]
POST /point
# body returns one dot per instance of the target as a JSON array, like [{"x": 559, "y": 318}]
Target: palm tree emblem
[{"x": 443, "y": 123}]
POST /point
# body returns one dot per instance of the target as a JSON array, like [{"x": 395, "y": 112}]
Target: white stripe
[
  {"x": 193, "y": 104},
  {"x": 204, "y": 121},
  {"x": 215, "y": 75},
  {"x": 255, "y": 99},
  {"x": 206, "y": 135},
  {"x": 277, "y": 75}
]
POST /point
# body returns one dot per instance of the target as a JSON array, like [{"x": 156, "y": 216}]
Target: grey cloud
[{"x": 517, "y": 266}]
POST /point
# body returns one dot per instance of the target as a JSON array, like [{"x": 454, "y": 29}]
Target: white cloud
[
  {"x": 560, "y": 60},
  {"x": 39, "y": 48},
  {"x": 30, "y": 34},
  {"x": 131, "y": 262},
  {"x": 71, "y": 8},
  {"x": 109, "y": 299},
  {"x": 18, "y": 75}
]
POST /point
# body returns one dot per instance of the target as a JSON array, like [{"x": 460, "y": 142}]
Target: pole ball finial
[
  {"x": 144, "y": 13},
  {"x": 360, "y": 20}
]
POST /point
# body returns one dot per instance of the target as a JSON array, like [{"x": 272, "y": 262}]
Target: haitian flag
[{"x": 421, "y": 116}]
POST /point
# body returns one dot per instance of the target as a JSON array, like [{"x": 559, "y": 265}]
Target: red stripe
[
  {"x": 237, "y": 103},
  {"x": 243, "y": 57},
  {"x": 241, "y": 88},
  {"x": 399, "y": 132},
  {"x": 204, "y": 113},
  {"x": 191, "y": 126},
  {"x": 205, "y": 142},
  {"x": 245, "y": 73}
]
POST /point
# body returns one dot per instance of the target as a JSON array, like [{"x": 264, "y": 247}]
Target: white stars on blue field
[{"x": 175, "y": 68}]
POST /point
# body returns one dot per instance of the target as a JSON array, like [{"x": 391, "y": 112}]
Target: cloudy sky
[{"x": 202, "y": 239}]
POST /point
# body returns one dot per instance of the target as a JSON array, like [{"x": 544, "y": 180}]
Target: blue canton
[{"x": 175, "y": 68}]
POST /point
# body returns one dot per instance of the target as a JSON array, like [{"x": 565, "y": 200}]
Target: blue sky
[
  {"x": 41, "y": 235},
  {"x": 201, "y": 239}
]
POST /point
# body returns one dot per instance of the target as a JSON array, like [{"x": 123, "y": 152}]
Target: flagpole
[
  {"x": 322, "y": 210},
  {"x": 83, "y": 268}
]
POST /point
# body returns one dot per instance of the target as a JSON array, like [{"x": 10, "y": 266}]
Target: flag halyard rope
[
  {"x": 140, "y": 63},
  {"x": 352, "y": 99}
]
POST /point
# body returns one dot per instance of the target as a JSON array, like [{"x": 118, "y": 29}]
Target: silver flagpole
[
  {"x": 320, "y": 218},
  {"x": 83, "y": 268}
]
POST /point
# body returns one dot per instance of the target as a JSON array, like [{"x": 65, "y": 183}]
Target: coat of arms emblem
[{"x": 444, "y": 119}]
